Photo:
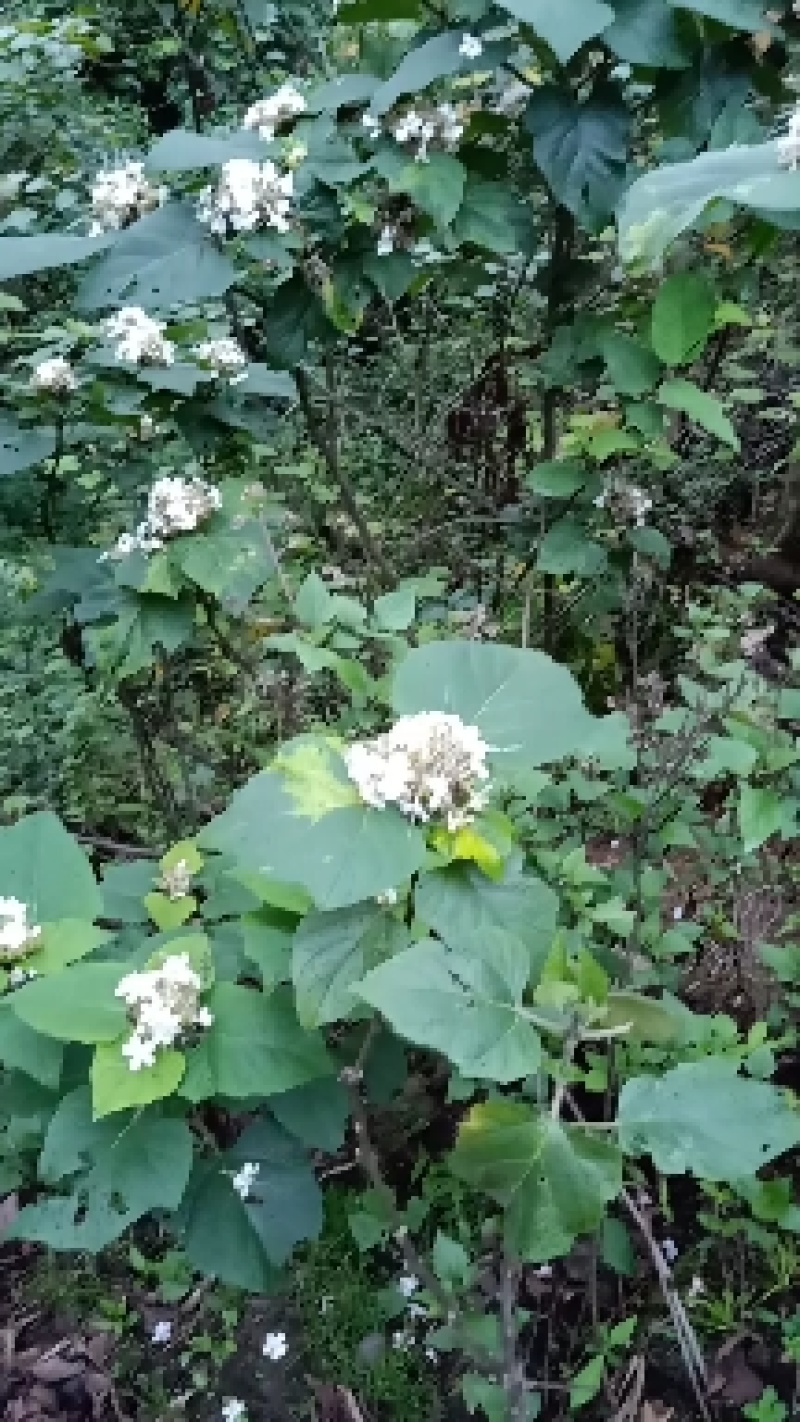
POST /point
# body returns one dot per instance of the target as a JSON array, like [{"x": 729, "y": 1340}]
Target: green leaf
[
  {"x": 21, "y": 255},
  {"x": 164, "y": 260},
  {"x": 124, "y": 887},
  {"x": 581, "y": 148},
  {"x": 182, "y": 149},
  {"x": 77, "y": 1005},
  {"x": 652, "y": 543},
  {"x": 565, "y": 27},
  {"x": 255, "y": 1048},
  {"x": 557, "y": 478},
  {"x": 739, "y": 14},
  {"x": 314, "y": 603},
  {"x": 632, "y": 368},
  {"x": 66, "y": 942},
  {"x": 168, "y": 913},
  {"x": 116, "y": 1088},
  {"x": 492, "y": 216},
  {"x": 527, "y": 707},
  {"x": 645, "y": 1019},
  {"x": 705, "y": 1118},
  {"x": 554, "y": 1181},
  {"x": 395, "y": 611},
  {"x": 434, "y": 59},
  {"x": 478, "y": 916},
  {"x": 683, "y": 318},
  {"x": 761, "y": 814},
  {"x": 566, "y": 549},
  {"x": 645, "y": 32},
  {"x": 285, "y": 1206},
  {"x": 316, "y": 1114},
  {"x": 267, "y": 936},
  {"x": 704, "y": 409},
  {"x": 342, "y": 91},
  {"x": 22, "y": 1049},
  {"x": 21, "y": 447},
  {"x": 328, "y": 957},
  {"x": 586, "y": 1384},
  {"x": 364, "y": 12},
  {"x": 459, "y": 1006},
  {"x": 309, "y": 828},
  {"x": 436, "y": 186}
]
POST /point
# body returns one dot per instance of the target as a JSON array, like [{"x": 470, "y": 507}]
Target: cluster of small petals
[
  {"x": 267, "y": 115},
  {"x": 174, "y": 506},
  {"x": 225, "y": 357},
  {"x": 17, "y": 935},
  {"x": 164, "y": 1003},
  {"x": 439, "y": 127},
  {"x": 233, "y": 1410},
  {"x": 54, "y": 377},
  {"x": 386, "y": 241},
  {"x": 407, "y": 1285},
  {"x": 120, "y": 196},
  {"x": 140, "y": 339},
  {"x": 470, "y": 47},
  {"x": 428, "y": 765},
  {"x": 249, "y": 195},
  {"x": 176, "y": 882},
  {"x": 275, "y": 1347},
  {"x": 371, "y": 125},
  {"x": 627, "y": 502},
  {"x": 162, "y": 1332},
  {"x": 244, "y": 1179}
]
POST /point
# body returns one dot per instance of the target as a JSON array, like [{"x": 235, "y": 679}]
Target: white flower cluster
[
  {"x": 54, "y": 377},
  {"x": 275, "y": 1347},
  {"x": 18, "y": 977},
  {"x": 470, "y": 47},
  {"x": 626, "y": 502},
  {"x": 164, "y": 1003},
  {"x": 120, "y": 196},
  {"x": 140, "y": 339},
  {"x": 440, "y": 127},
  {"x": 174, "y": 505},
  {"x": 245, "y": 1179},
  {"x": 269, "y": 114},
  {"x": 225, "y": 357},
  {"x": 233, "y": 1410},
  {"x": 431, "y": 764},
  {"x": 16, "y": 935},
  {"x": 249, "y": 195},
  {"x": 176, "y": 882},
  {"x": 30, "y": 44},
  {"x": 789, "y": 144}
]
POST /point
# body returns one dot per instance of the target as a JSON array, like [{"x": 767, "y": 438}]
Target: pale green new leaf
[{"x": 116, "y": 1088}]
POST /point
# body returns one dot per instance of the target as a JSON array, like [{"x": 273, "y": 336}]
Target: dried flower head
[
  {"x": 430, "y": 766},
  {"x": 163, "y": 1004}
]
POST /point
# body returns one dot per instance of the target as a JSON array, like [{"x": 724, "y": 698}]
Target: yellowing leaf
[{"x": 314, "y": 781}]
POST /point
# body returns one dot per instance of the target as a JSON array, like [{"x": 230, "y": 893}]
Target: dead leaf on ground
[{"x": 731, "y": 1378}]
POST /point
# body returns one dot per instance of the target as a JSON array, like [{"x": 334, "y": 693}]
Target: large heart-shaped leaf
[
  {"x": 256, "y": 1047},
  {"x": 683, "y": 317},
  {"x": 582, "y": 150},
  {"x": 182, "y": 149},
  {"x": 434, "y": 59},
  {"x": 329, "y": 954},
  {"x": 21, "y": 255},
  {"x": 77, "y": 1005},
  {"x": 477, "y": 916},
  {"x": 646, "y": 32},
  {"x": 164, "y": 260}
]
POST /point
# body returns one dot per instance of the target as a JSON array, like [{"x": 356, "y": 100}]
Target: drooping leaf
[
  {"x": 705, "y": 1118},
  {"x": 683, "y": 317},
  {"x": 255, "y": 1048},
  {"x": 553, "y": 1180},
  {"x": 701, "y": 407},
  {"x": 166, "y": 259},
  {"x": 581, "y": 149},
  {"x": 567, "y": 26},
  {"x": 434, "y": 59}
]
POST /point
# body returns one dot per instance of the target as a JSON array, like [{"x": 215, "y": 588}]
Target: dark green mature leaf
[
  {"x": 22, "y": 1049},
  {"x": 460, "y": 1006},
  {"x": 77, "y": 1005},
  {"x": 478, "y": 916},
  {"x": 218, "y": 1235},
  {"x": 739, "y": 14},
  {"x": 21, "y": 447},
  {"x": 255, "y": 1048},
  {"x": 364, "y": 12},
  {"x": 632, "y": 368},
  {"x": 164, "y": 260},
  {"x": 434, "y": 59},
  {"x": 310, "y": 828},
  {"x": 701, "y": 407},
  {"x": 553, "y": 1180},
  {"x": 315, "y": 1114},
  {"x": 328, "y": 957},
  {"x": 341, "y": 92},
  {"x": 182, "y": 149},
  {"x": 646, "y": 32},
  {"x": 41, "y": 864},
  {"x": 705, "y": 1118},
  {"x": 492, "y": 216},
  {"x": 436, "y": 186},
  {"x": 567, "y": 548},
  {"x": 285, "y": 1206},
  {"x": 21, "y": 255},
  {"x": 528, "y": 708},
  {"x": 565, "y": 26},
  {"x": 582, "y": 150},
  {"x": 683, "y": 317},
  {"x": 762, "y": 811}
]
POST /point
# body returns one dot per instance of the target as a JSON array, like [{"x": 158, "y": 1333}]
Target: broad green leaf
[
  {"x": 255, "y": 1048},
  {"x": 305, "y": 825},
  {"x": 267, "y": 937},
  {"x": 739, "y": 14},
  {"x": 491, "y": 215},
  {"x": 566, "y": 548},
  {"x": 116, "y": 1088},
  {"x": 632, "y": 368},
  {"x": 328, "y": 957},
  {"x": 395, "y": 611},
  {"x": 77, "y": 1005},
  {"x": 285, "y": 1206},
  {"x": 436, "y": 186},
  {"x": 553, "y": 1180},
  {"x": 168, "y": 913},
  {"x": 315, "y": 1114},
  {"x": 182, "y": 149},
  {"x": 581, "y": 148},
  {"x": 761, "y": 815},
  {"x": 459, "y": 1006},
  {"x": 66, "y": 942},
  {"x": 22, "y": 1049},
  {"x": 705, "y": 1118},
  {"x": 124, "y": 887},
  {"x": 645, "y": 1019},
  {"x": 586, "y": 1384},
  {"x": 434, "y": 59},
  {"x": 645, "y": 32},
  {"x": 364, "y": 12},
  {"x": 21, "y": 446},
  {"x": 479, "y": 917},
  {"x": 528, "y": 708},
  {"x": 217, "y": 1233},
  {"x": 21, "y": 255},
  {"x": 342, "y": 91},
  {"x": 313, "y": 604},
  {"x": 701, "y": 407},
  {"x": 74, "y": 1138},
  {"x": 683, "y": 318},
  {"x": 164, "y": 260},
  {"x": 565, "y": 26},
  {"x": 557, "y": 478}
]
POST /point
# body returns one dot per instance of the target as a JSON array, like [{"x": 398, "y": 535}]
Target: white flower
[
  {"x": 163, "y": 1003},
  {"x": 371, "y": 124},
  {"x": 177, "y": 505},
  {"x": 275, "y": 1347},
  {"x": 16, "y": 934},
  {"x": 697, "y": 1288},
  {"x": 269, "y": 114},
  {"x": 140, "y": 339},
  {"x": 245, "y": 1178},
  {"x": 677, "y": 913},
  {"x": 670, "y": 1250},
  {"x": 386, "y": 242},
  {"x": 120, "y": 196},
  {"x": 387, "y": 899},
  {"x": 789, "y": 144},
  {"x": 401, "y": 1339},
  {"x": 162, "y": 1332},
  {"x": 408, "y": 1285},
  {"x": 233, "y": 1410},
  {"x": 225, "y": 357},
  {"x": 325, "y": 1303},
  {"x": 625, "y": 502},
  {"x": 471, "y": 47},
  {"x": 176, "y": 882},
  {"x": 431, "y": 764},
  {"x": 249, "y": 195},
  {"x": 19, "y": 976},
  {"x": 54, "y": 377}
]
